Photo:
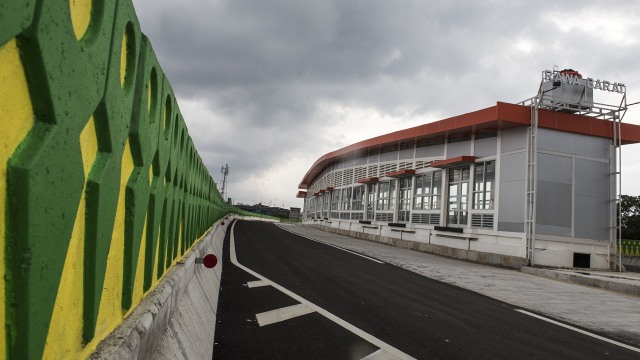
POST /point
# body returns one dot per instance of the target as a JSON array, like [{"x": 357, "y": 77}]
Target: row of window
[{"x": 420, "y": 192}]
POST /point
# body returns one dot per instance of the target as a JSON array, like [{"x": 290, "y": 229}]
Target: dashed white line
[
  {"x": 370, "y": 338},
  {"x": 259, "y": 283},
  {"x": 335, "y": 246},
  {"x": 579, "y": 330},
  {"x": 282, "y": 314}
]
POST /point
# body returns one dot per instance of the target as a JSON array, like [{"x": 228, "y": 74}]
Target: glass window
[
  {"x": 325, "y": 205},
  {"x": 371, "y": 200},
  {"x": 428, "y": 191},
  {"x": 436, "y": 190},
  {"x": 386, "y": 195},
  {"x": 346, "y": 199},
  {"x": 483, "y": 185},
  {"x": 457, "y": 207},
  {"x": 357, "y": 198},
  {"x": 404, "y": 205},
  {"x": 383, "y": 196},
  {"x": 335, "y": 199}
]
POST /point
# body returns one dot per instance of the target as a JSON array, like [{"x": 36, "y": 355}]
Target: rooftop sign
[{"x": 572, "y": 78}]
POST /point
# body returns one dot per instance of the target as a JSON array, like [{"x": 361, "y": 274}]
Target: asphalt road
[{"x": 354, "y": 307}]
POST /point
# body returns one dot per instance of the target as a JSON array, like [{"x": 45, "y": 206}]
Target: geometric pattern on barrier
[
  {"x": 103, "y": 189},
  {"x": 631, "y": 247}
]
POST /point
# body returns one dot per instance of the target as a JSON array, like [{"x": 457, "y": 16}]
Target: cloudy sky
[{"x": 269, "y": 86}]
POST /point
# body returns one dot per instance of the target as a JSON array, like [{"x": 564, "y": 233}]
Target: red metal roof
[
  {"x": 400, "y": 173},
  {"x": 499, "y": 117},
  {"x": 368, "y": 180},
  {"x": 458, "y": 160}
]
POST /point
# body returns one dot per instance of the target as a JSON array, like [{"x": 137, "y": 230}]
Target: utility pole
[{"x": 224, "y": 171}]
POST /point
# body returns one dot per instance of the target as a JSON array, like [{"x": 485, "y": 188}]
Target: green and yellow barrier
[
  {"x": 630, "y": 247},
  {"x": 101, "y": 185}
]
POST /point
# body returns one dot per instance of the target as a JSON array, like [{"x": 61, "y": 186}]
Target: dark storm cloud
[{"x": 264, "y": 69}]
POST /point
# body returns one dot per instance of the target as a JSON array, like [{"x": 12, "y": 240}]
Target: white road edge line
[
  {"x": 282, "y": 314},
  {"x": 370, "y": 338},
  {"x": 579, "y": 330},
  {"x": 335, "y": 246}
]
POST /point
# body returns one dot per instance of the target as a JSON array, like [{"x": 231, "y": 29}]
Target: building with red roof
[{"x": 533, "y": 183}]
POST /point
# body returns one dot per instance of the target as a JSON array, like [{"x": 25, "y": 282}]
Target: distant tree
[{"x": 630, "y": 217}]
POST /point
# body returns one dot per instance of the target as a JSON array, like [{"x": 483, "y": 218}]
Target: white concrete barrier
[{"x": 177, "y": 319}]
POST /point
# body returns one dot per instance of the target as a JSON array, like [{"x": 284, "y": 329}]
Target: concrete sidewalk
[{"x": 597, "y": 309}]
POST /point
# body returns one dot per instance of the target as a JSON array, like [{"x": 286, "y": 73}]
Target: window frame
[
  {"x": 405, "y": 199},
  {"x": 385, "y": 199},
  {"x": 355, "y": 200},
  {"x": 481, "y": 191},
  {"x": 430, "y": 200}
]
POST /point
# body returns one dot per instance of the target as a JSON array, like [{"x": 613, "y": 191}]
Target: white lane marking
[
  {"x": 335, "y": 246},
  {"x": 282, "y": 314},
  {"x": 259, "y": 283},
  {"x": 579, "y": 330},
  {"x": 370, "y": 338},
  {"x": 380, "y": 355}
]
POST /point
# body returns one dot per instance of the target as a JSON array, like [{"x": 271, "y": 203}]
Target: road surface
[{"x": 283, "y": 296}]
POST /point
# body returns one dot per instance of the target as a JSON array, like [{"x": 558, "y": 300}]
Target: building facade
[{"x": 467, "y": 183}]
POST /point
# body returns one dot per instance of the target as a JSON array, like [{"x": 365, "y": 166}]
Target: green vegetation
[
  {"x": 290, "y": 220},
  {"x": 630, "y": 217}
]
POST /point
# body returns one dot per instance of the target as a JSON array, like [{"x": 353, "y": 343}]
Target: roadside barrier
[{"x": 101, "y": 185}]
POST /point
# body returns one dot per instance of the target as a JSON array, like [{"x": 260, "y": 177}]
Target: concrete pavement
[{"x": 598, "y": 309}]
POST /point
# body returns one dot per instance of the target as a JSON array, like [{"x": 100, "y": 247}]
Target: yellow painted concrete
[
  {"x": 17, "y": 118},
  {"x": 123, "y": 59},
  {"x": 179, "y": 252},
  {"x": 88, "y": 146},
  {"x": 164, "y": 118},
  {"x": 64, "y": 339},
  {"x": 110, "y": 313},
  {"x": 80, "y": 16},
  {"x": 138, "y": 289},
  {"x": 155, "y": 265}
]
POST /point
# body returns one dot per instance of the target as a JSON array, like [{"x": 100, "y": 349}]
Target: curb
[{"x": 631, "y": 289}]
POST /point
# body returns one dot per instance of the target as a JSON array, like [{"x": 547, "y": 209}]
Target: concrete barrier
[
  {"x": 177, "y": 319},
  {"x": 507, "y": 261},
  {"x": 171, "y": 322}
]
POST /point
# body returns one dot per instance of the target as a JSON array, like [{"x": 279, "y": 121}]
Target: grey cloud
[{"x": 265, "y": 67}]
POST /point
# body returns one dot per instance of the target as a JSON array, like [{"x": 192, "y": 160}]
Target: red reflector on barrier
[{"x": 209, "y": 261}]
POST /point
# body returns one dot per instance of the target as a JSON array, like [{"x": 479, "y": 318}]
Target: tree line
[{"x": 630, "y": 209}]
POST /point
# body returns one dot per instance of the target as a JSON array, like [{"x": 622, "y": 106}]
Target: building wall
[
  {"x": 573, "y": 185},
  {"x": 573, "y": 192},
  {"x": 101, "y": 187},
  {"x": 574, "y": 199},
  {"x": 378, "y": 162},
  {"x": 513, "y": 173}
]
